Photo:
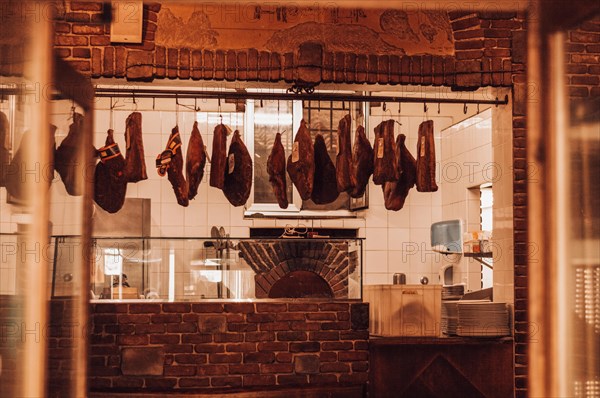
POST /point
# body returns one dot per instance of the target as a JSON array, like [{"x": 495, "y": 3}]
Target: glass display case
[{"x": 192, "y": 269}]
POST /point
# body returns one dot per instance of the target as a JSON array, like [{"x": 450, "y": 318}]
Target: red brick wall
[
  {"x": 220, "y": 346},
  {"x": 490, "y": 50},
  {"x": 583, "y": 60}
]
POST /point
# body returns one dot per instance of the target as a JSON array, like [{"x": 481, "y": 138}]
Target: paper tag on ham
[
  {"x": 379, "y": 148},
  {"x": 231, "y": 161},
  {"x": 229, "y": 131},
  {"x": 422, "y": 148},
  {"x": 295, "y": 152}
]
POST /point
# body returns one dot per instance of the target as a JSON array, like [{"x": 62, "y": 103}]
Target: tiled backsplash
[{"x": 395, "y": 241}]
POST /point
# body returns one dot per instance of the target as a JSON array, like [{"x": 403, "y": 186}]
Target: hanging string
[
  {"x": 110, "y": 117},
  {"x": 220, "y": 115},
  {"x": 176, "y": 110}
]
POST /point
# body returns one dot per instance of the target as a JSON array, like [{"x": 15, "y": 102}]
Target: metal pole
[{"x": 317, "y": 96}]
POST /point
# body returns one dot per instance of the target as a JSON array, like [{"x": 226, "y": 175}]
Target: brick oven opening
[
  {"x": 301, "y": 284},
  {"x": 299, "y": 268}
]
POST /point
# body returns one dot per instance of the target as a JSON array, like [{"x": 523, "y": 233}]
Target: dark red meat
[
  {"x": 325, "y": 186},
  {"x": 344, "y": 157},
  {"x": 238, "y": 177},
  {"x": 195, "y": 160},
  {"x": 276, "y": 171},
  {"x": 301, "y": 163}
]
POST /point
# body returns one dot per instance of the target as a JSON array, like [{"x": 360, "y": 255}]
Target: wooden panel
[
  {"x": 441, "y": 367},
  {"x": 404, "y": 310}
]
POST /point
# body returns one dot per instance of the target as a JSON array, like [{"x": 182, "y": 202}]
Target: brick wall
[
  {"x": 583, "y": 60},
  {"x": 490, "y": 50},
  {"x": 226, "y": 346}
]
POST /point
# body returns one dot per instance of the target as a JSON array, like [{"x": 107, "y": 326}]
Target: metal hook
[
  {"x": 425, "y": 108},
  {"x": 478, "y": 108},
  {"x": 384, "y": 107},
  {"x": 465, "y": 108},
  {"x": 439, "y": 107},
  {"x": 399, "y": 108},
  {"x": 153, "y": 102}
]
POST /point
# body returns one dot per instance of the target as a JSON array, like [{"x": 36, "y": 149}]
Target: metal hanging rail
[{"x": 316, "y": 96}]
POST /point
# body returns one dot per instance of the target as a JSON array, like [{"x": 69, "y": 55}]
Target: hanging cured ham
[
  {"x": 395, "y": 192},
  {"x": 426, "y": 158},
  {"x": 344, "y": 156},
  {"x": 135, "y": 164},
  {"x": 325, "y": 187},
  {"x": 4, "y": 148},
  {"x": 195, "y": 160},
  {"x": 218, "y": 160},
  {"x": 68, "y": 159},
  {"x": 276, "y": 171},
  {"x": 16, "y": 171},
  {"x": 362, "y": 163},
  {"x": 238, "y": 177},
  {"x": 301, "y": 163},
  {"x": 170, "y": 162},
  {"x": 110, "y": 181},
  {"x": 385, "y": 156}
]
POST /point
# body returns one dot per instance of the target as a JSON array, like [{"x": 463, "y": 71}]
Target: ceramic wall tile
[
  {"x": 377, "y": 279},
  {"x": 376, "y": 238},
  {"x": 376, "y": 262}
]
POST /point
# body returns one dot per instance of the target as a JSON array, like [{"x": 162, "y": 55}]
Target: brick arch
[
  {"x": 272, "y": 260},
  {"x": 482, "y": 56}
]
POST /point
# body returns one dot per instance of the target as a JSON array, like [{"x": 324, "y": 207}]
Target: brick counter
[{"x": 228, "y": 346}]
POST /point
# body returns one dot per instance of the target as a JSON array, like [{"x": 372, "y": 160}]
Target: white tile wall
[
  {"x": 503, "y": 238},
  {"x": 395, "y": 241},
  {"x": 466, "y": 150}
]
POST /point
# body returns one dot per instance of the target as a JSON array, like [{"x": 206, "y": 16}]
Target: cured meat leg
[
  {"x": 386, "y": 158},
  {"x": 325, "y": 187},
  {"x": 68, "y": 159},
  {"x": 238, "y": 178},
  {"x": 426, "y": 158},
  {"x": 301, "y": 163},
  {"x": 276, "y": 171},
  {"x": 195, "y": 160},
  {"x": 110, "y": 182},
  {"x": 218, "y": 162},
  {"x": 395, "y": 192},
  {"x": 135, "y": 164},
  {"x": 170, "y": 162},
  {"x": 16, "y": 171},
  {"x": 4, "y": 148},
  {"x": 344, "y": 157},
  {"x": 362, "y": 163}
]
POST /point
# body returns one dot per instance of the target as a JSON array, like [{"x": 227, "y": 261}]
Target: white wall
[
  {"x": 395, "y": 241},
  {"x": 503, "y": 239},
  {"x": 467, "y": 162}
]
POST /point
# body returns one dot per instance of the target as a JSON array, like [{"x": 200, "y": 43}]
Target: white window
[{"x": 263, "y": 119}]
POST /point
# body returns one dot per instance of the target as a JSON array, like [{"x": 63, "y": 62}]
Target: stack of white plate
[
  {"x": 449, "y": 314},
  {"x": 453, "y": 292},
  {"x": 482, "y": 318}
]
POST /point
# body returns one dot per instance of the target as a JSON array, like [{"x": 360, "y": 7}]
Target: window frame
[{"x": 294, "y": 210}]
